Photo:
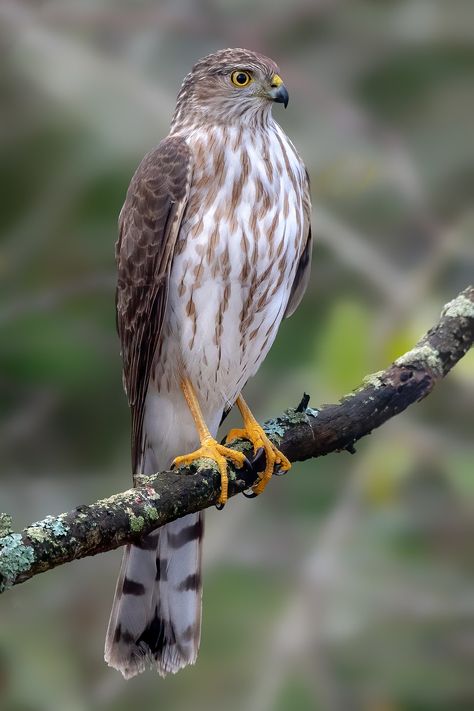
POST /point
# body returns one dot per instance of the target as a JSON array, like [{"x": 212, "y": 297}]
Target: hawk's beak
[{"x": 278, "y": 91}]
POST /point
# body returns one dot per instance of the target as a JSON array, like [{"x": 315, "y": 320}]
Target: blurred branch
[
  {"x": 301, "y": 433},
  {"x": 87, "y": 82}
]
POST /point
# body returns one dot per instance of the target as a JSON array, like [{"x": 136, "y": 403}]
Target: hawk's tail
[{"x": 156, "y": 614}]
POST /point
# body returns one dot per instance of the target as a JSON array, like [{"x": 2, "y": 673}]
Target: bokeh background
[{"x": 349, "y": 585}]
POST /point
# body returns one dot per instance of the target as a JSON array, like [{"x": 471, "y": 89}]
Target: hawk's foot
[
  {"x": 256, "y": 435},
  {"x": 209, "y": 449},
  {"x": 218, "y": 453}
]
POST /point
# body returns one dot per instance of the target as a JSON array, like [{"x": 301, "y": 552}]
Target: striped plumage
[{"x": 214, "y": 250}]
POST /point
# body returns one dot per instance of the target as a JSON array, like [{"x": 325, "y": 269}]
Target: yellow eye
[{"x": 240, "y": 78}]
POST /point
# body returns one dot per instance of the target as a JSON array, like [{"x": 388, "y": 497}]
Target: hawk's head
[{"x": 231, "y": 84}]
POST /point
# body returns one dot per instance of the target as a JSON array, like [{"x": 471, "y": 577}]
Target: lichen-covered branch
[{"x": 301, "y": 433}]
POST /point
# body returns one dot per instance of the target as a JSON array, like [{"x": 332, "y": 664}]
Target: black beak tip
[{"x": 281, "y": 96}]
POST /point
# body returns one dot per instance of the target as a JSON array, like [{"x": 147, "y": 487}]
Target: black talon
[
  {"x": 219, "y": 507},
  {"x": 247, "y": 466},
  {"x": 278, "y": 471},
  {"x": 259, "y": 460},
  {"x": 249, "y": 494},
  {"x": 246, "y": 474}
]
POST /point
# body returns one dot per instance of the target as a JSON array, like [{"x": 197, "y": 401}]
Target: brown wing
[
  {"x": 304, "y": 265},
  {"x": 148, "y": 228}
]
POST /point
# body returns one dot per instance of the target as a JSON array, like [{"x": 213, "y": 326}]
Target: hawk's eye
[{"x": 240, "y": 78}]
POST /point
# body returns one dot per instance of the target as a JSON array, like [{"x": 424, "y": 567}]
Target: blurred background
[{"x": 350, "y": 584}]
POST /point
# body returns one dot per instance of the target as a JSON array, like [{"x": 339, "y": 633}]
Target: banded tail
[{"x": 156, "y": 613}]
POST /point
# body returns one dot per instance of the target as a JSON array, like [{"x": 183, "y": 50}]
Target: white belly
[{"x": 234, "y": 269}]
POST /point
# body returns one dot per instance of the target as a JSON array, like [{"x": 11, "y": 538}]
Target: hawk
[{"x": 214, "y": 250}]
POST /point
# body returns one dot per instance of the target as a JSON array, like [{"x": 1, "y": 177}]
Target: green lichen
[
  {"x": 151, "y": 513},
  {"x": 295, "y": 417},
  {"x": 373, "y": 380},
  {"x": 275, "y": 429},
  {"x": 204, "y": 462},
  {"x": 49, "y": 528},
  {"x": 460, "y": 307},
  {"x": 5, "y": 525},
  {"x": 15, "y": 558},
  {"x": 425, "y": 355},
  {"x": 136, "y": 523},
  {"x": 36, "y": 533}
]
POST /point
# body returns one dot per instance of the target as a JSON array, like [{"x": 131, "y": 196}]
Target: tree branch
[{"x": 301, "y": 433}]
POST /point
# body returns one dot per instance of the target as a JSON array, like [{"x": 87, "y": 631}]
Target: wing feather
[
  {"x": 304, "y": 265},
  {"x": 148, "y": 230}
]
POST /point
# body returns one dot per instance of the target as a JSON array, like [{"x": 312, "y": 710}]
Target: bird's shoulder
[
  {"x": 163, "y": 172},
  {"x": 159, "y": 184}
]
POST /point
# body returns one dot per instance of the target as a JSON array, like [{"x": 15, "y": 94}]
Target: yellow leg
[
  {"x": 255, "y": 434},
  {"x": 209, "y": 448}
]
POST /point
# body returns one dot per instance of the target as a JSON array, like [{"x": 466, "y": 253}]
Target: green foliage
[
  {"x": 343, "y": 346},
  {"x": 294, "y": 696}
]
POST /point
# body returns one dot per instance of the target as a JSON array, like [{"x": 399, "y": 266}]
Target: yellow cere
[{"x": 277, "y": 80}]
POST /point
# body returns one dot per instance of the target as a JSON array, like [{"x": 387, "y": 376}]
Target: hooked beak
[{"x": 278, "y": 91}]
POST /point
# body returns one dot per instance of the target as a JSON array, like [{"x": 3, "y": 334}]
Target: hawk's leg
[
  {"x": 255, "y": 434},
  {"x": 209, "y": 448}
]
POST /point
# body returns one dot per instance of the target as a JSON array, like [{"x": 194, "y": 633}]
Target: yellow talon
[
  {"x": 255, "y": 434},
  {"x": 210, "y": 449}
]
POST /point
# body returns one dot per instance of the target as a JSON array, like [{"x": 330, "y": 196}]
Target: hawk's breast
[{"x": 239, "y": 243}]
